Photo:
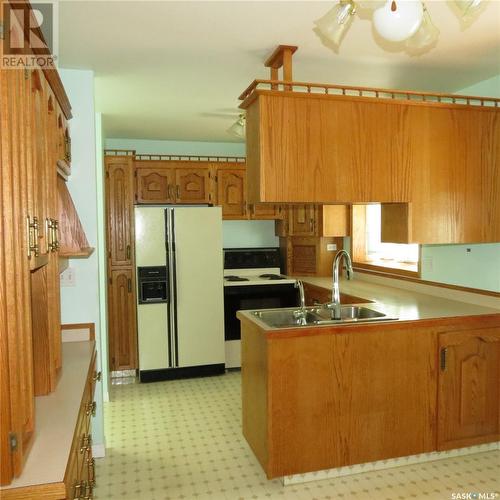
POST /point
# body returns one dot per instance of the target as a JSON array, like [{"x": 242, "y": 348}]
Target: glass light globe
[
  {"x": 398, "y": 20},
  {"x": 336, "y": 21}
]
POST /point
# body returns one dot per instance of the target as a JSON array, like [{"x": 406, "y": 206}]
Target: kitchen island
[{"x": 323, "y": 397}]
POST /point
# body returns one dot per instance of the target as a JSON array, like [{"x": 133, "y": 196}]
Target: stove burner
[
  {"x": 235, "y": 278},
  {"x": 272, "y": 276}
]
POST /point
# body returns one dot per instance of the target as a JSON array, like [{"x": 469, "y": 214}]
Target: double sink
[{"x": 316, "y": 316}]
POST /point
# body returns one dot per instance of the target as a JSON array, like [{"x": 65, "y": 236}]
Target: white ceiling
[{"x": 174, "y": 70}]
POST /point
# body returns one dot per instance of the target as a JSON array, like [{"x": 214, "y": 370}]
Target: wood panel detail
[
  {"x": 120, "y": 206},
  {"x": 122, "y": 330},
  {"x": 155, "y": 185},
  {"x": 231, "y": 188},
  {"x": 469, "y": 387}
]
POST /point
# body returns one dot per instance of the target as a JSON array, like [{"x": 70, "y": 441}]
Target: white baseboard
[
  {"x": 387, "y": 464},
  {"x": 98, "y": 451}
]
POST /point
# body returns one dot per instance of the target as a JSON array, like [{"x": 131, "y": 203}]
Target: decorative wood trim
[
  {"x": 392, "y": 269},
  {"x": 119, "y": 152},
  {"x": 192, "y": 158},
  {"x": 51, "y": 74},
  {"x": 81, "y": 326},
  {"x": 412, "y": 96},
  {"x": 425, "y": 282}
]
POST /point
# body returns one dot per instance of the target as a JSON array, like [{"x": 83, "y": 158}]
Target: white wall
[{"x": 81, "y": 303}]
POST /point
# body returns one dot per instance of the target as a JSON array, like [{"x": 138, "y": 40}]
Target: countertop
[
  {"x": 395, "y": 302},
  {"x": 55, "y": 417}
]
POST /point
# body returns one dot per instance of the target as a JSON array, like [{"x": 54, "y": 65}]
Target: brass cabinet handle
[
  {"x": 170, "y": 194},
  {"x": 97, "y": 376},
  {"x": 178, "y": 191},
  {"x": 32, "y": 236},
  {"x": 55, "y": 229},
  {"x": 91, "y": 471},
  {"x": 91, "y": 409},
  {"x": 129, "y": 285},
  {"x": 86, "y": 443},
  {"x": 29, "y": 246},
  {"x": 128, "y": 251},
  {"x": 78, "y": 490},
  {"x": 49, "y": 234}
]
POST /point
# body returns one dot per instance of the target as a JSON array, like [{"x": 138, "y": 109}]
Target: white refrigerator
[{"x": 182, "y": 335}]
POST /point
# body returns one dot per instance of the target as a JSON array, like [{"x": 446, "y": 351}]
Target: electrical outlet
[
  {"x": 331, "y": 247},
  {"x": 68, "y": 277}
]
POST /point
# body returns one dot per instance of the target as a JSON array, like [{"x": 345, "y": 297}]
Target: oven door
[{"x": 241, "y": 297}]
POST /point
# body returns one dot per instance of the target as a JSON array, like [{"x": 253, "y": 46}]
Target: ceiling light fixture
[
  {"x": 394, "y": 20},
  {"x": 336, "y": 21},
  {"x": 237, "y": 129},
  {"x": 398, "y": 20}
]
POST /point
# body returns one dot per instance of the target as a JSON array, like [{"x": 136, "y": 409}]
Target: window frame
[{"x": 358, "y": 249}]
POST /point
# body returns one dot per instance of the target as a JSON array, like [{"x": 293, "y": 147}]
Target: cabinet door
[
  {"x": 192, "y": 185},
  {"x": 231, "y": 193},
  {"x": 16, "y": 357},
  {"x": 120, "y": 206},
  {"x": 302, "y": 220},
  {"x": 302, "y": 256},
  {"x": 469, "y": 384},
  {"x": 155, "y": 185},
  {"x": 264, "y": 211},
  {"x": 122, "y": 324}
]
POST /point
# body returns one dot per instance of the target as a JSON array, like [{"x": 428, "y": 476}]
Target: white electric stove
[{"x": 252, "y": 280}]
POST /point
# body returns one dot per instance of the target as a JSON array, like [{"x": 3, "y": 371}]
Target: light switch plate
[
  {"x": 68, "y": 277},
  {"x": 428, "y": 264},
  {"x": 331, "y": 247}
]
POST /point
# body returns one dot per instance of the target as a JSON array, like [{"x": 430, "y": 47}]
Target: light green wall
[
  {"x": 475, "y": 266},
  {"x": 101, "y": 252},
  {"x": 142, "y": 146},
  {"x": 81, "y": 303},
  {"x": 236, "y": 234}
]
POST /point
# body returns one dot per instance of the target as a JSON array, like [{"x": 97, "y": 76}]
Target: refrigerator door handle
[{"x": 172, "y": 317}]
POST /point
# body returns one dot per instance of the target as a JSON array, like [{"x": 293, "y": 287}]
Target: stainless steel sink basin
[
  {"x": 285, "y": 318},
  {"x": 352, "y": 313},
  {"x": 289, "y": 318}
]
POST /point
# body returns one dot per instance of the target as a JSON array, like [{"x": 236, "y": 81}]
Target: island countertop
[{"x": 395, "y": 302}]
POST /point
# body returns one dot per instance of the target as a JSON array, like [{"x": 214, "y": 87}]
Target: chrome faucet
[
  {"x": 335, "y": 304},
  {"x": 300, "y": 286}
]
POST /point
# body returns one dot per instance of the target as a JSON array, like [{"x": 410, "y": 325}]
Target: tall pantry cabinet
[{"x": 120, "y": 195}]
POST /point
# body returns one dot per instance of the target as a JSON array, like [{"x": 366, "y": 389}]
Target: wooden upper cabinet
[
  {"x": 192, "y": 185},
  {"x": 231, "y": 186},
  {"x": 155, "y": 185},
  {"x": 469, "y": 388},
  {"x": 122, "y": 335},
  {"x": 439, "y": 157},
  {"x": 303, "y": 220},
  {"x": 264, "y": 211},
  {"x": 120, "y": 206}
]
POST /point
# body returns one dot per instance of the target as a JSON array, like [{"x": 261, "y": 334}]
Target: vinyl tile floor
[{"x": 182, "y": 440}]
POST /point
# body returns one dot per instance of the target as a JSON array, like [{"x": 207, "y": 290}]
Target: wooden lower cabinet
[
  {"x": 469, "y": 387},
  {"x": 70, "y": 473},
  {"x": 122, "y": 320},
  {"x": 327, "y": 397}
]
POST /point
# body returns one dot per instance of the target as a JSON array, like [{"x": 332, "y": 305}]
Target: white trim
[
  {"x": 387, "y": 464},
  {"x": 98, "y": 450}
]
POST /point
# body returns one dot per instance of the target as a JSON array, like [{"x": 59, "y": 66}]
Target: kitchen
[{"x": 160, "y": 429}]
